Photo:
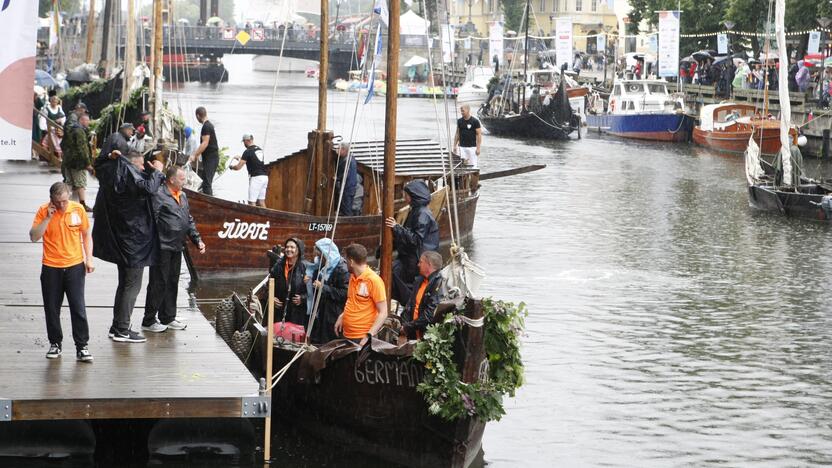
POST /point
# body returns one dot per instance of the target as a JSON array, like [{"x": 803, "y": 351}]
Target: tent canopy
[
  {"x": 415, "y": 61},
  {"x": 413, "y": 24}
]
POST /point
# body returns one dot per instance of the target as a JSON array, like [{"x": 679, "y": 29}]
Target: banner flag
[
  {"x": 19, "y": 23},
  {"x": 668, "y": 43},
  {"x": 563, "y": 42}
]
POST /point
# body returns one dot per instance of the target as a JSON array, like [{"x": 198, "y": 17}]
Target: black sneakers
[
  {"x": 83, "y": 355},
  {"x": 54, "y": 351},
  {"x": 128, "y": 336}
]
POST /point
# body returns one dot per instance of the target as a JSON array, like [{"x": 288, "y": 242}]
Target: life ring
[{"x": 612, "y": 105}]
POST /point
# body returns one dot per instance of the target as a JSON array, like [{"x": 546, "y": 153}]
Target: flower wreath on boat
[{"x": 450, "y": 398}]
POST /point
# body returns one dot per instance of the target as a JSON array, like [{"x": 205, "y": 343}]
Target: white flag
[{"x": 380, "y": 9}]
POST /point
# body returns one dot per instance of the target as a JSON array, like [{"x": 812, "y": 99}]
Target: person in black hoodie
[
  {"x": 289, "y": 287},
  {"x": 332, "y": 275},
  {"x": 426, "y": 294},
  {"x": 419, "y": 233}
]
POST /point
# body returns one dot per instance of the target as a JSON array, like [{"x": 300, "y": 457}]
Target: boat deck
[{"x": 176, "y": 374}]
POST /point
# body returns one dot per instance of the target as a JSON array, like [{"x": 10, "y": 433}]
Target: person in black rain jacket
[
  {"x": 427, "y": 292},
  {"x": 419, "y": 233},
  {"x": 289, "y": 287}
]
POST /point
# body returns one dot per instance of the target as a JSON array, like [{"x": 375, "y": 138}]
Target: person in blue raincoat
[{"x": 329, "y": 274}]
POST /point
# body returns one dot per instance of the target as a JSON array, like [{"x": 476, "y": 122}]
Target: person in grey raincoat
[
  {"x": 419, "y": 233},
  {"x": 331, "y": 275},
  {"x": 124, "y": 232}
]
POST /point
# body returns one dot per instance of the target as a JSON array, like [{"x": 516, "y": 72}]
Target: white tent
[{"x": 413, "y": 24}]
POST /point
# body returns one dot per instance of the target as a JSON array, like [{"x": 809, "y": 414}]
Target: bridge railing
[{"x": 189, "y": 34}]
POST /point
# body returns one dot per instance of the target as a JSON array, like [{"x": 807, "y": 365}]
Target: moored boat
[
  {"x": 643, "y": 110},
  {"x": 238, "y": 234},
  {"x": 728, "y": 126},
  {"x": 474, "y": 91}
]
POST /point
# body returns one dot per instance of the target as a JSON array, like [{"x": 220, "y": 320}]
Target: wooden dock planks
[{"x": 175, "y": 374}]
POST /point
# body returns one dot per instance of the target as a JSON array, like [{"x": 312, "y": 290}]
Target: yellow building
[{"x": 589, "y": 17}]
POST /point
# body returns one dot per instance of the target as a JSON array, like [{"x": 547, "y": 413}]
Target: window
[
  {"x": 617, "y": 90},
  {"x": 579, "y": 5},
  {"x": 542, "y": 6},
  {"x": 594, "y": 5},
  {"x": 657, "y": 88},
  {"x": 555, "y": 5}
]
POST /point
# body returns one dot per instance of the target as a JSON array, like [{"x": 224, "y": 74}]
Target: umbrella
[
  {"x": 687, "y": 59},
  {"x": 721, "y": 60},
  {"x": 214, "y": 20},
  {"x": 702, "y": 55},
  {"x": 416, "y": 60},
  {"x": 45, "y": 79},
  {"x": 183, "y": 21},
  {"x": 753, "y": 61}
]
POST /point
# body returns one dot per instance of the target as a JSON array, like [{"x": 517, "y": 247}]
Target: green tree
[
  {"x": 696, "y": 17},
  {"x": 66, "y": 6},
  {"x": 513, "y": 11}
]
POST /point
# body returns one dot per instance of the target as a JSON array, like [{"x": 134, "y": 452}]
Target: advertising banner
[
  {"x": 601, "y": 43},
  {"x": 495, "y": 43},
  {"x": 814, "y": 43},
  {"x": 722, "y": 43},
  {"x": 19, "y": 23},
  {"x": 563, "y": 42},
  {"x": 447, "y": 42},
  {"x": 668, "y": 43}
]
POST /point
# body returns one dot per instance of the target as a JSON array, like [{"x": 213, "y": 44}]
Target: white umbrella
[{"x": 416, "y": 60}]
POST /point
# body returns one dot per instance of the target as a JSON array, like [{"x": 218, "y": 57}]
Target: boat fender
[{"x": 612, "y": 105}]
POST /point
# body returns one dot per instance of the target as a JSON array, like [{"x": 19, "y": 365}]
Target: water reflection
[{"x": 670, "y": 324}]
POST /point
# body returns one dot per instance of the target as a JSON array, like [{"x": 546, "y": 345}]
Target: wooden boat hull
[
  {"x": 793, "y": 204},
  {"x": 373, "y": 407},
  {"x": 735, "y": 140},
  {"x": 528, "y": 125},
  {"x": 237, "y": 235},
  {"x": 671, "y": 127}
]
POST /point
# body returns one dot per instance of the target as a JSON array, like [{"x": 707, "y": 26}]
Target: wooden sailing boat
[
  {"x": 365, "y": 399},
  {"x": 300, "y": 195},
  {"x": 785, "y": 191},
  {"x": 510, "y": 115}
]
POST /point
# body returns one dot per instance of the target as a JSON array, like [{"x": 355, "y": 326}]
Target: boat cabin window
[
  {"x": 634, "y": 87},
  {"x": 657, "y": 88},
  {"x": 616, "y": 90}
]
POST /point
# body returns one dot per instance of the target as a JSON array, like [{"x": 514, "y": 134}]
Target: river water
[{"x": 669, "y": 323}]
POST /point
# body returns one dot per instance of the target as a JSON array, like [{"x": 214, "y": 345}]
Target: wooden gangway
[{"x": 176, "y": 374}]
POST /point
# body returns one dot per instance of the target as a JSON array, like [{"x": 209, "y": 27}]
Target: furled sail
[
  {"x": 783, "y": 80},
  {"x": 753, "y": 171}
]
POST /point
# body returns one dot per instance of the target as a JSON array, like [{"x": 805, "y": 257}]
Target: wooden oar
[{"x": 511, "y": 172}]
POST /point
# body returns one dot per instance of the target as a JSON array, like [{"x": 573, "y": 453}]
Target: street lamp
[
  {"x": 607, "y": 30},
  {"x": 824, "y": 23},
  {"x": 729, "y": 25}
]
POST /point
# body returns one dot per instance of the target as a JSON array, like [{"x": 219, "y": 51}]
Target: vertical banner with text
[
  {"x": 814, "y": 43},
  {"x": 563, "y": 41},
  {"x": 668, "y": 43},
  {"x": 495, "y": 43},
  {"x": 722, "y": 43},
  {"x": 19, "y": 25},
  {"x": 601, "y": 43},
  {"x": 447, "y": 42}
]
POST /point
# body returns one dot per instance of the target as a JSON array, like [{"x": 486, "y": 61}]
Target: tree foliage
[
  {"x": 69, "y": 7},
  {"x": 709, "y": 16},
  {"x": 513, "y": 11}
]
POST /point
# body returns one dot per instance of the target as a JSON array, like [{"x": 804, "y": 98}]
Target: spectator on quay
[
  {"x": 125, "y": 227},
  {"x": 77, "y": 158},
  {"x": 793, "y": 68},
  {"x": 53, "y": 112},
  {"x": 803, "y": 77},
  {"x": 174, "y": 224},
  {"x": 741, "y": 76},
  {"x": 67, "y": 259}
]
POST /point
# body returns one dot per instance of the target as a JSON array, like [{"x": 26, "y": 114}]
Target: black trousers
[
  {"x": 55, "y": 283},
  {"x": 163, "y": 288},
  {"x": 129, "y": 285},
  {"x": 404, "y": 272},
  {"x": 207, "y": 171}
]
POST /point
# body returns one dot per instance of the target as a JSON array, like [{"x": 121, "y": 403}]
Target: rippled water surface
[{"x": 669, "y": 323}]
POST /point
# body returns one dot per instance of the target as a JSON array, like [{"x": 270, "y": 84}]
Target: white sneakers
[{"x": 158, "y": 327}]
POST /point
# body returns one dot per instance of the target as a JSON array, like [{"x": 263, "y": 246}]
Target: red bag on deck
[{"x": 289, "y": 332}]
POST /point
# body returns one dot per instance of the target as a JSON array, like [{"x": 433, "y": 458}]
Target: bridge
[{"x": 213, "y": 41}]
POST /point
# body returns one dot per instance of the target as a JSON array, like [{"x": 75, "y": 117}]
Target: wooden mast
[
  {"x": 525, "y": 56},
  {"x": 319, "y": 140},
  {"x": 390, "y": 144},
  {"x": 129, "y": 51},
  {"x": 156, "y": 60},
  {"x": 106, "y": 19},
  {"x": 90, "y": 31}
]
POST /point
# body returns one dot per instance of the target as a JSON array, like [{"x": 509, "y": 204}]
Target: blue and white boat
[{"x": 641, "y": 109}]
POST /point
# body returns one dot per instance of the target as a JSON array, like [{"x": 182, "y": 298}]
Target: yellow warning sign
[{"x": 243, "y": 37}]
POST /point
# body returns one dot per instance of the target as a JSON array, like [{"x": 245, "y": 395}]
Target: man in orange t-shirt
[
  {"x": 366, "y": 307},
  {"x": 67, "y": 258}
]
